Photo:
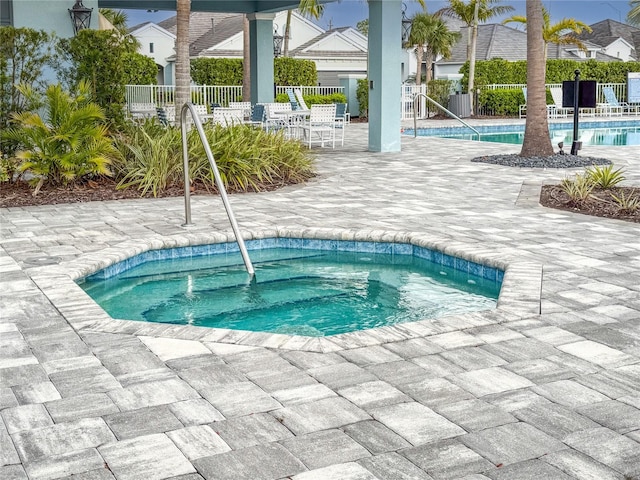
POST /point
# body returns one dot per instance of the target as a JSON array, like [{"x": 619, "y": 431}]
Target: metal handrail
[
  {"x": 223, "y": 193},
  {"x": 415, "y": 120}
]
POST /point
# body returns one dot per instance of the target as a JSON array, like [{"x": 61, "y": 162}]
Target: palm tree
[
  {"x": 430, "y": 34},
  {"x": 310, "y": 8},
  {"x": 118, "y": 19},
  {"x": 183, "y": 77},
  {"x": 439, "y": 42},
  {"x": 536, "y": 133},
  {"x": 560, "y": 33},
  {"x": 633, "y": 17},
  {"x": 471, "y": 13}
]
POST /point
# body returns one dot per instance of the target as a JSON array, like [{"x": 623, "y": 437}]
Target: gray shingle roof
[
  {"x": 207, "y": 29},
  {"x": 606, "y": 32}
]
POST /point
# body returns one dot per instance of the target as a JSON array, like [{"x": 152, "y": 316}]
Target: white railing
[
  {"x": 310, "y": 90},
  {"x": 161, "y": 95}
]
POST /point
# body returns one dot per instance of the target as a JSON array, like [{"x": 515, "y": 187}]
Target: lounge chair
[
  {"x": 300, "y": 99},
  {"x": 612, "y": 106},
  {"x": 341, "y": 121},
  {"x": 522, "y": 110}
]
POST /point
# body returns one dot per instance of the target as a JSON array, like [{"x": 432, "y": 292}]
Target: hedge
[{"x": 228, "y": 71}]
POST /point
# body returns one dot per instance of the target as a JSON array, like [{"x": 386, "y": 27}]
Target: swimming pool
[
  {"x": 332, "y": 288},
  {"x": 589, "y": 133}
]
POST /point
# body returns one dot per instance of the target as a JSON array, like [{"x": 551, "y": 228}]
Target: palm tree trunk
[
  {"x": 419, "y": 50},
  {"x": 287, "y": 27},
  {"x": 428, "y": 60},
  {"x": 472, "y": 53},
  {"x": 246, "y": 61},
  {"x": 183, "y": 77},
  {"x": 536, "y": 134}
]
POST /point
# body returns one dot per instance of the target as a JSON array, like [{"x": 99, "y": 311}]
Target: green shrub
[
  {"x": 24, "y": 55},
  {"x": 315, "y": 99},
  {"x": 216, "y": 71},
  {"x": 139, "y": 69},
  {"x": 97, "y": 56},
  {"x": 502, "y": 102},
  {"x": 294, "y": 71},
  {"x": 247, "y": 158},
  {"x": 68, "y": 142},
  {"x": 362, "y": 94}
]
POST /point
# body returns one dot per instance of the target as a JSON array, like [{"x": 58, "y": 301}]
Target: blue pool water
[
  {"x": 311, "y": 292},
  {"x": 588, "y": 135}
]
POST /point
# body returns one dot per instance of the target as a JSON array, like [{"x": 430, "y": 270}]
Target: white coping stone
[{"x": 171, "y": 348}]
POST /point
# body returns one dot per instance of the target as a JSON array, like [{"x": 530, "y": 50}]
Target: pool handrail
[
  {"x": 189, "y": 107},
  {"x": 415, "y": 119}
]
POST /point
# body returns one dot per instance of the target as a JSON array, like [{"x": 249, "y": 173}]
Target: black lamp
[
  {"x": 80, "y": 16},
  {"x": 406, "y": 25},
  {"x": 277, "y": 41}
]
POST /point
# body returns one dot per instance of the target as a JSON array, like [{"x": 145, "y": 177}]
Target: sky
[{"x": 348, "y": 12}]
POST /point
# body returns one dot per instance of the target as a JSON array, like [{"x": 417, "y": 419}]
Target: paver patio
[{"x": 553, "y": 395}]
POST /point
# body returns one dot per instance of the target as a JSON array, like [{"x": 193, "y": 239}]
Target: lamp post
[
  {"x": 80, "y": 16},
  {"x": 277, "y": 42},
  {"x": 406, "y": 25}
]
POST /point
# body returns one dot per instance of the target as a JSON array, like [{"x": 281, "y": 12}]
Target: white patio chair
[
  {"x": 244, "y": 106},
  {"x": 278, "y": 117},
  {"x": 301, "y": 102},
  {"x": 321, "y": 125},
  {"x": 227, "y": 116},
  {"x": 557, "y": 109}
]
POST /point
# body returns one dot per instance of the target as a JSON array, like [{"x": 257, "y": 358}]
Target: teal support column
[
  {"x": 349, "y": 81},
  {"x": 261, "y": 54},
  {"x": 385, "y": 20}
]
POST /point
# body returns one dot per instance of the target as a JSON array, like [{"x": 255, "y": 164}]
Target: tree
[
  {"x": 363, "y": 26},
  {"x": 310, "y": 8},
  {"x": 183, "y": 77},
  {"x": 560, "y": 33},
  {"x": 633, "y": 17},
  {"x": 471, "y": 13},
  {"x": 440, "y": 42},
  {"x": 536, "y": 134},
  {"x": 421, "y": 24},
  {"x": 118, "y": 19}
]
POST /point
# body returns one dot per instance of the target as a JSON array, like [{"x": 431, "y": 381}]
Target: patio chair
[
  {"x": 522, "y": 110},
  {"x": 244, "y": 106},
  {"x": 277, "y": 117},
  {"x": 557, "y": 110},
  {"x": 321, "y": 125},
  {"x": 257, "y": 117},
  {"x": 612, "y": 106},
  {"x": 166, "y": 115},
  {"x": 300, "y": 99},
  {"x": 293, "y": 100},
  {"x": 341, "y": 121},
  {"x": 227, "y": 116}
]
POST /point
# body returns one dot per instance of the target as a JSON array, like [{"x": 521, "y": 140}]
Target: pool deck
[{"x": 511, "y": 394}]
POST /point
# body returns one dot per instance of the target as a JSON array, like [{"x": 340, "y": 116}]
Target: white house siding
[
  {"x": 620, "y": 49},
  {"x": 163, "y": 48}
]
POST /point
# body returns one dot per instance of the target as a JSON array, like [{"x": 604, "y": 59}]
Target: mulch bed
[{"x": 599, "y": 203}]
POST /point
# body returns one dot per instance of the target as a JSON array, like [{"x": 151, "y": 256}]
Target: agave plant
[
  {"x": 605, "y": 177},
  {"x": 65, "y": 140}
]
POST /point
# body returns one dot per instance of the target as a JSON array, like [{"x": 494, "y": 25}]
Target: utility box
[{"x": 460, "y": 105}]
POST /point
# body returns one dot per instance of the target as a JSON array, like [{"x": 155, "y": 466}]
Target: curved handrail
[
  {"x": 415, "y": 121},
  {"x": 188, "y": 107}
]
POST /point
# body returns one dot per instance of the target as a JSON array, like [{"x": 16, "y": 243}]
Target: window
[
  {"x": 151, "y": 47},
  {"x": 6, "y": 13}
]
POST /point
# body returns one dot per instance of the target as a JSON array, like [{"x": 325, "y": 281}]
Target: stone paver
[{"x": 546, "y": 386}]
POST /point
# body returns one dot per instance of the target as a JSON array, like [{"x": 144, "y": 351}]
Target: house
[
  {"x": 501, "y": 41},
  {"x": 336, "y": 52},
  {"x": 616, "y": 39}
]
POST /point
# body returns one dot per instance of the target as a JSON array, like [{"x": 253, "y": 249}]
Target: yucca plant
[
  {"x": 68, "y": 140},
  {"x": 626, "y": 203},
  {"x": 605, "y": 177},
  {"x": 579, "y": 188}
]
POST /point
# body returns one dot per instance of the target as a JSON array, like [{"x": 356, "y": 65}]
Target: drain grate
[{"x": 43, "y": 260}]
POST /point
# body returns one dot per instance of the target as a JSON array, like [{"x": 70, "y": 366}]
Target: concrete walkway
[{"x": 553, "y": 395}]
